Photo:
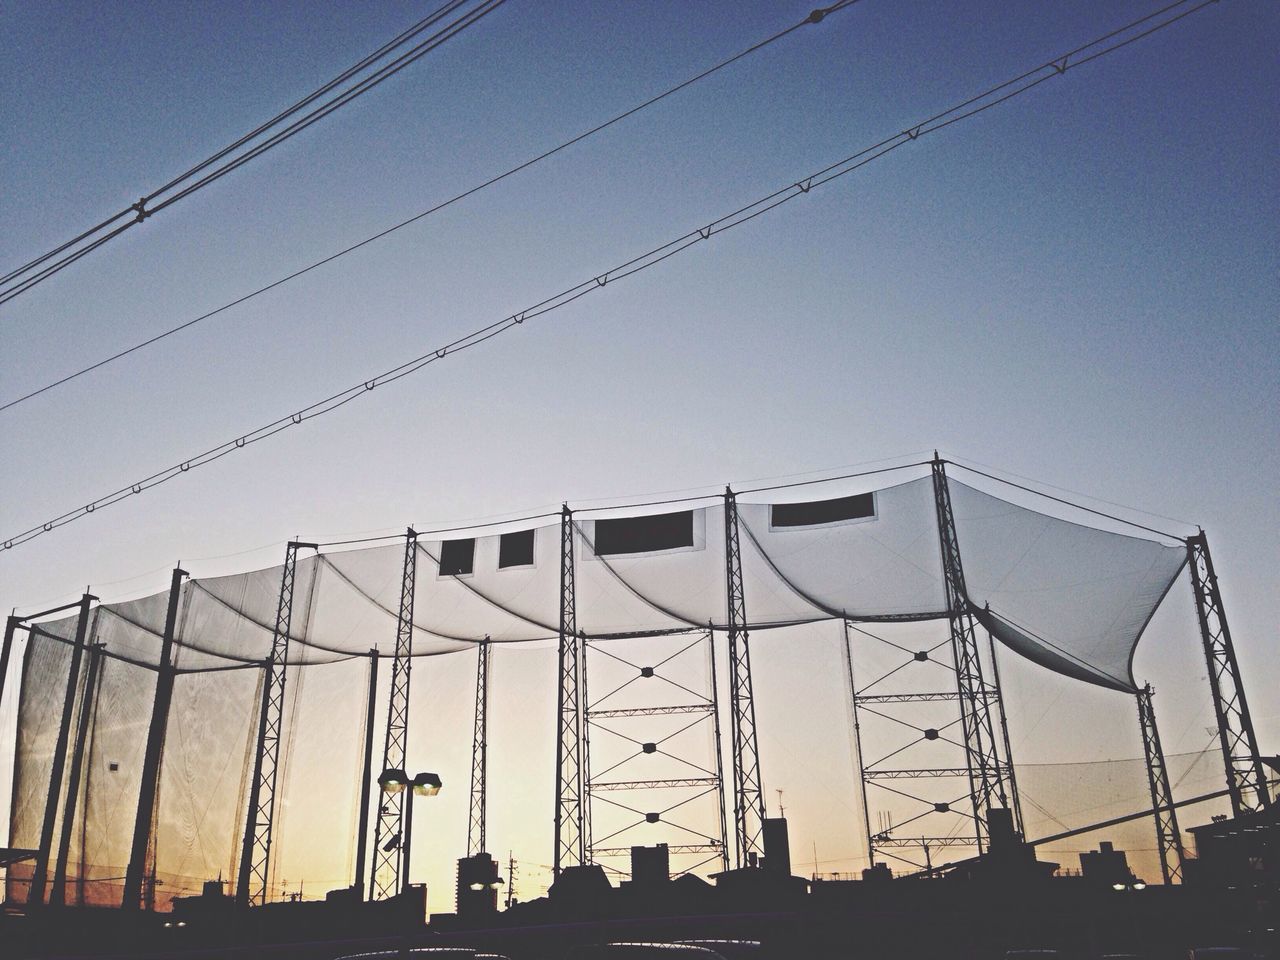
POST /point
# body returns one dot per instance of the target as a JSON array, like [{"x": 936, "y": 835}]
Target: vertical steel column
[
  {"x": 987, "y": 774},
  {"x": 390, "y": 843},
  {"x": 857, "y": 745},
  {"x": 1009, "y": 769},
  {"x": 748, "y": 793},
  {"x": 58, "y": 892},
  {"x": 718, "y": 745},
  {"x": 10, "y": 628},
  {"x": 35, "y": 895},
  {"x": 255, "y": 852},
  {"x": 479, "y": 753},
  {"x": 132, "y": 898},
  {"x": 366, "y": 779},
  {"x": 1246, "y": 780},
  {"x": 571, "y": 841},
  {"x": 1168, "y": 836}
]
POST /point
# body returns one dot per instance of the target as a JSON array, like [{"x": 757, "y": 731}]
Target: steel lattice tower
[
  {"x": 571, "y": 827},
  {"x": 988, "y": 775},
  {"x": 388, "y": 825},
  {"x": 1246, "y": 780},
  {"x": 1168, "y": 836},
  {"x": 255, "y": 853},
  {"x": 479, "y": 754},
  {"x": 748, "y": 794}
]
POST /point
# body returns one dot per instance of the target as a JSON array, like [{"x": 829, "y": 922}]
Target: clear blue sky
[{"x": 1080, "y": 286}]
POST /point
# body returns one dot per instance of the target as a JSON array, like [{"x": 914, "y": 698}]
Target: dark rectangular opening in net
[
  {"x": 457, "y": 557},
  {"x": 860, "y": 506},
  {"x": 515, "y": 549},
  {"x": 663, "y": 531}
]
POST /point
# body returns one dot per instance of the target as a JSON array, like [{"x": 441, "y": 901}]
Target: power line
[
  {"x": 816, "y": 17},
  {"x": 23, "y": 278},
  {"x": 966, "y": 109}
]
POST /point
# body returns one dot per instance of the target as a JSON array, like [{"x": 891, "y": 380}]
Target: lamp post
[{"x": 395, "y": 780}]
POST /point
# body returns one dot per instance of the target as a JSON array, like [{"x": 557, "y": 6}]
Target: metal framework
[
  {"x": 252, "y": 886},
  {"x": 388, "y": 849},
  {"x": 479, "y": 753},
  {"x": 1246, "y": 779},
  {"x": 1168, "y": 836},
  {"x": 88, "y": 705},
  {"x": 709, "y": 778},
  {"x": 988, "y": 774},
  {"x": 366, "y": 776},
  {"x": 40, "y": 873},
  {"x": 748, "y": 793},
  {"x": 145, "y": 816},
  {"x": 571, "y": 828}
]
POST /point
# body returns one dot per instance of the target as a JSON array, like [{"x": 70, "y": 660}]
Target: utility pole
[{"x": 511, "y": 879}]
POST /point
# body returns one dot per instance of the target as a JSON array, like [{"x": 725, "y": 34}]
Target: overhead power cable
[
  {"x": 966, "y": 109},
  {"x": 23, "y": 278},
  {"x": 816, "y": 16}
]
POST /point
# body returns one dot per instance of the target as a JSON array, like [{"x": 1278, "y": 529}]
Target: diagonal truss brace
[
  {"x": 1168, "y": 836},
  {"x": 748, "y": 794},
  {"x": 479, "y": 754},
  {"x": 388, "y": 849},
  {"x": 255, "y": 854},
  {"x": 1246, "y": 780},
  {"x": 990, "y": 776},
  {"x": 571, "y": 830}
]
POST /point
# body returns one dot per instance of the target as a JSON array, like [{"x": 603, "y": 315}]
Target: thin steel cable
[
  {"x": 140, "y": 211},
  {"x": 618, "y": 118},
  {"x": 744, "y": 214}
]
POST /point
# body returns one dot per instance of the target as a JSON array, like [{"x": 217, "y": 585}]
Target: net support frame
[
  {"x": 748, "y": 791},
  {"x": 1246, "y": 779},
  {"x": 1164, "y": 814},
  {"x": 390, "y": 846},
  {"x": 131, "y": 899},
  {"x": 857, "y": 743},
  {"x": 88, "y": 700},
  {"x": 988, "y": 775},
  {"x": 11, "y": 624},
  {"x": 571, "y": 843},
  {"x": 703, "y": 708},
  {"x": 479, "y": 754},
  {"x": 253, "y": 881},
  {"x": 366, "y": 776},
  {"x": 39, "y": 875}
]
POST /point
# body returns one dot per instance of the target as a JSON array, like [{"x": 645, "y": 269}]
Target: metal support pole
[
  {"x": 142, "y": 820},
  {"x": 58, "y": 892},
  {"x": 570, "y": 836},
  {"x": 10, "y": 628},
  {"x": 407, "y": 846},
  {"x": 255, "y": 853},
  {"x": 1010, "y": 770},
  {"x": 748, "y": 793},
  {"x": 857, "y": 745},
  {"x": 390, "y": 842},
  {"x": 366, "y": 779},
  {"x": 718, "y": 747},
  {"x": 1246, "y": 780},
  {"x": 35, "y": 895},
  {"x": 1168, "y": 836},
  {"x": 987, "y": 775},
  {"x": 479, "y": 753}
]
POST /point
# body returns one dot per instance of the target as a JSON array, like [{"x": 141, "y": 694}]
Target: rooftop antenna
[{"x": 782, "y": 811}]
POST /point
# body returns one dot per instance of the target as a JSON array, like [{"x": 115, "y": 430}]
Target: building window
[
  {"x": 457, "y": 557},
  {"x": 515, "y": 549},
  {"x": 860, "y": 506},
  {"x": 663, "y": 531}
]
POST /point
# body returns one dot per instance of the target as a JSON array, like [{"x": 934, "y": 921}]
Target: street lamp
[{"x": 394, "y": 780}]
